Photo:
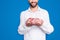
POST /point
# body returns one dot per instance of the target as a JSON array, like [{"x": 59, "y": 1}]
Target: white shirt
[{"x": 35, "y": 33}]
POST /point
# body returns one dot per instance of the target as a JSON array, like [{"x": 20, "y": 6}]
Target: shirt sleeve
[
  {"x": 47, "y": 27},
  {"x": 22, "y": 28}
]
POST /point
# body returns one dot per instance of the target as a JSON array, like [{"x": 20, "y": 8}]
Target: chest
[{"x": 34, "y": 15}]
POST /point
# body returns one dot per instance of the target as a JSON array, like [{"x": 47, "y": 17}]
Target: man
[{"x": 34, "y": 22}]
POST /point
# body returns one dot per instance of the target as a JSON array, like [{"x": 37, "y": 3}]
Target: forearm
[
  {"x": 47, "y": 28},
  {"x": 23, "y": 29}
]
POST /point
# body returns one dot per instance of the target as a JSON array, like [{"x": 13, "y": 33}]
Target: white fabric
[{"x": 34, "y": 32}]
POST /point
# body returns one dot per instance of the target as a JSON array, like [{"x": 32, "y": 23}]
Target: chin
[{"x": 33, "y": 5}]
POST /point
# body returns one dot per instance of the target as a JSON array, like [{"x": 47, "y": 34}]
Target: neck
[{"x": 34, "y": 9}]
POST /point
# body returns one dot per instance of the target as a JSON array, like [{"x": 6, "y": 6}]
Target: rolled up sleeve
[
  {"x": 22, "y": 28},
  {"x": 47, "y": 27}
]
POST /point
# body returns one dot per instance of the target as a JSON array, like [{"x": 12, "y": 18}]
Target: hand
[
  {"x": 29, "y": 22},
  {"x": 33, "y": 21},
  {"x": 39, "y": 22}
]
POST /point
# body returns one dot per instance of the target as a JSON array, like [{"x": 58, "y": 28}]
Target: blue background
[{"x": 9, "y": 17}]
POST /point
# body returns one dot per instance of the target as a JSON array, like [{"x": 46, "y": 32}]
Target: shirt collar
[{"x": 31, "y": 11}]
